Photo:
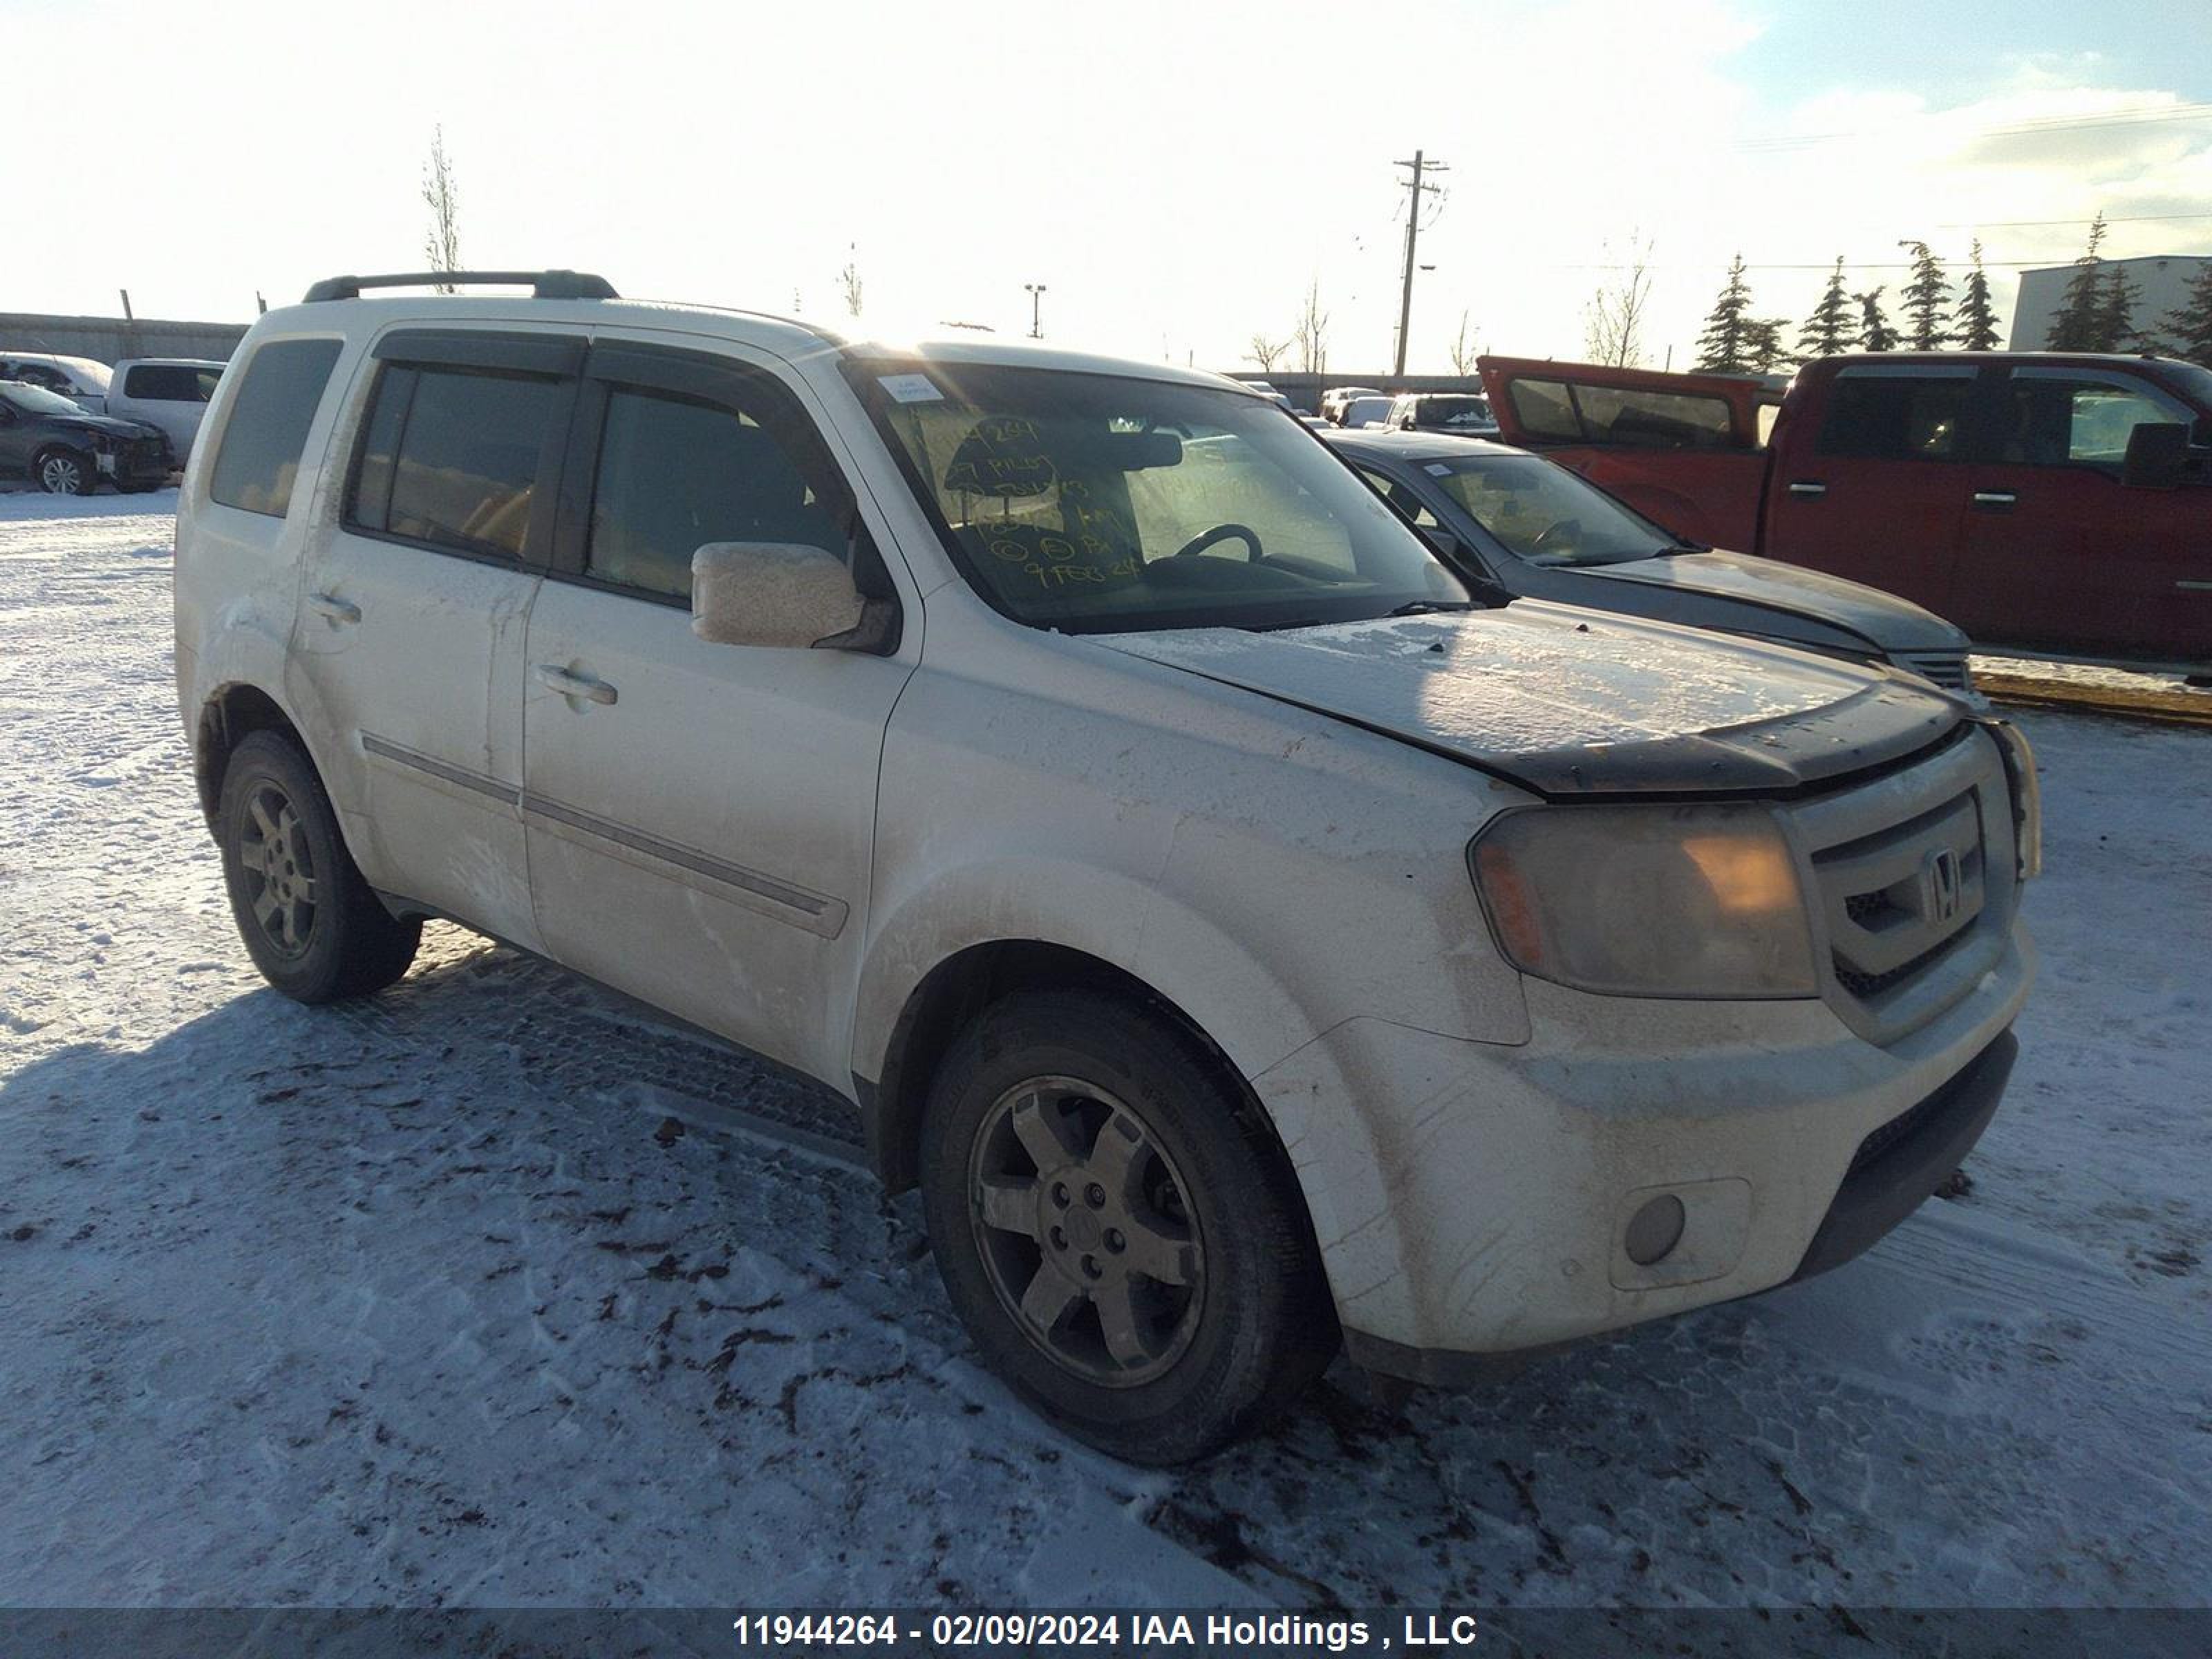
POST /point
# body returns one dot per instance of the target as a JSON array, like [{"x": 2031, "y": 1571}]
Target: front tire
[
  {"x": 309, "y": 921},
  {"x": 1119, "y": 1229},
  {"x": 65, "y": 472}
]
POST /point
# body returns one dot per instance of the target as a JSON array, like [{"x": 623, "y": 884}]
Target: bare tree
[
  {"x": 1266, "y": 352},
  {"x": 442, "y": 243},
  {"x": 1310, "y": 337},
  {"x": 848, "y": 280},
  {"x": 1614, "y": 321},
  {"x": 1464, "y": 351}
]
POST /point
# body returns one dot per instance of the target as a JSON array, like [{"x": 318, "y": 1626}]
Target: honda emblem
[{"x": 1942, "y": 884}]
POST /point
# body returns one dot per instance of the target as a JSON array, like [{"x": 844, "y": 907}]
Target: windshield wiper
[
  {"x": 1680, "y": 547},
  {"x": 1426, "y": 607}
]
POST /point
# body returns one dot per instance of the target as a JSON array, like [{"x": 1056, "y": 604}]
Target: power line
[
  {"x": 2025, "y": 224},
  {"x": 2143, "y": 115}
]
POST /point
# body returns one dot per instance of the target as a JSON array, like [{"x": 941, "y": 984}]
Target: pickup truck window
[
  {"x": 171, "y": 383},
  {"x": 1629, "y": 416},
  {"x": 1897, "y": 416},
  {"x": 1098, "y": 503},
  {"x": 2059, "y": 418}
]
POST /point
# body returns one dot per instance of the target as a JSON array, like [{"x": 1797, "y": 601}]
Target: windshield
[
  {"x": 1096, "y": 503},
  {"x": 37, "y": 400},
  {"x": 1545, "y": 514}
]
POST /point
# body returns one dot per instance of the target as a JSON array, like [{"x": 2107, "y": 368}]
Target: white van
[{"x": 1249, "y": 941}]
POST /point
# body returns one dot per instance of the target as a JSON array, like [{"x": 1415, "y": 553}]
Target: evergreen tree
[
  {"x": 1722, "y": 345},
  {"x": 1828, "y": 330},
  {"x": 1976, "y": 321},
  {"x": 2081, "y": 308},
  {"x": 2189, "y": 330},
  {"x": 1763, "y": 350},
  {"x": 2116, "y": 313},
  {"x": 1874, "y": 332},
  {"x": 1924, "y": 298}
]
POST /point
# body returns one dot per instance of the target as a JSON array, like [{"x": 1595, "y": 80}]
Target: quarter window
[
  {"x": 268, "y": 426},
  {"x": 1895, "y": 417},
  {"x": 451, "y": 457},
  {"x": 675, "y": 473}
]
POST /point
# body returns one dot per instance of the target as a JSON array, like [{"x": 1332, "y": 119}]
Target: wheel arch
[
  {"x": 959, "y": 987},
  {"x": 227, "y": 716}
]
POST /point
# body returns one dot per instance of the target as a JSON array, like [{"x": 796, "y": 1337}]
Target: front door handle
[
  {"x": 1807, "y": 487},
  {"x": 333, "y": 610},
  {"x": 1995, "y": 498},
  {"x": 572, "y": 684}
]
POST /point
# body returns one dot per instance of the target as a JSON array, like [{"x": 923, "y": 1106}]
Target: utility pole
[
  {"x": 1036, "y": 309},
  {"x": 1414, "y": 187}
]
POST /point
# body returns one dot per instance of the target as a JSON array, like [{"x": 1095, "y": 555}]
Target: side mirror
[
  {"x": 2158, "y": 456},
  {"x": 782, "y": 593}
]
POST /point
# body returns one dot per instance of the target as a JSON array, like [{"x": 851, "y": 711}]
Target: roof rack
[{"x": 543, "y": 285}]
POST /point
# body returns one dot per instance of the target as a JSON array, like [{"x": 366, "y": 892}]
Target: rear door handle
[
  {"x": 1807, "y": 487},
  {"x": 571, "y": 685},
  {"x": 333, "y": 610},
  {"x": 1995, "y": 497}
]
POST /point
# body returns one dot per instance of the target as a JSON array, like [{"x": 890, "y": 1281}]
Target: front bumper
[
  {"x": 136, "y": 460},
  {"x": 1473, "y": 1201}
]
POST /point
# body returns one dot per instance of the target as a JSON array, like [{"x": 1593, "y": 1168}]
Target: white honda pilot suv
[{"x": 1249, "y": 942}]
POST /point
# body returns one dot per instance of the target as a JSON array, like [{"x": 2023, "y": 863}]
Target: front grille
[
  {"x": 1911, "y": 876},
  {"x": 1945, "y": 668}
]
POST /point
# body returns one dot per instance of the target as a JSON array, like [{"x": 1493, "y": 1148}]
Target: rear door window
[
  {"x": 451, "y": 457},
  {"x": 268, "y": 426},
  {"x": 1898, "y": 416}
]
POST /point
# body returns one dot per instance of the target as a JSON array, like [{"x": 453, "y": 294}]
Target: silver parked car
[{"x": 1521, "y": 527}]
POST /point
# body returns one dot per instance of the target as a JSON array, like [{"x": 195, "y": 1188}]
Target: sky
[{"x": 1174, "y": 175}]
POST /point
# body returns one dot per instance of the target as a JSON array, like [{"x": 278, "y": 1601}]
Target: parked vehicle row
[
  {"x": 2046, "y": 502},
  {"x": 167, "y": 395},
  {"x": 1236, "y": 922}
]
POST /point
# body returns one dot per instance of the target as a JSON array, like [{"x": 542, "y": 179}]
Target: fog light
[{"x": 1653, "y": 1229}]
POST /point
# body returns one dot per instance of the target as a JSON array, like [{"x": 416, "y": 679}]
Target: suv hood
[
  {"x": 1881, "y": 619},
  {"x": 1572, "y": 703}
]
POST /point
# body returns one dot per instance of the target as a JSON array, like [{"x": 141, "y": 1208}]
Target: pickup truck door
[
  {"x": 1684, "y": 450},
  {"x": 410, "y": 636},
  {"x": 701, "y": 816},
  {"x": 1871, "y": 475},
  {"x": 2058, "y": 553}
]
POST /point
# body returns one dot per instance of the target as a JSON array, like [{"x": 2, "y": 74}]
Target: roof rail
[{"x": 543, "y": 285}]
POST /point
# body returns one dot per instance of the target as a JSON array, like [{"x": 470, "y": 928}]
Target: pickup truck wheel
[
  {"x": 310, "y": 922},
  {"x": 65, "y": 472},
  {"x": 1119, "y": 1229}
]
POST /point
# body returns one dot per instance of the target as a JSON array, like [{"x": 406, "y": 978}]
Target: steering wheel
[
  {"x": 1553, "y": 535},
  {"x": 1205, "y": 539}
]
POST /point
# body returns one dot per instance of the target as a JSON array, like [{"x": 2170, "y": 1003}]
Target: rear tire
[
  {"x": 309, "y": 921},
  {"x": 1118, "y": 1227}
]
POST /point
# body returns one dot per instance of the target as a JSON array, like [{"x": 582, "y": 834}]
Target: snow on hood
[
  {"x": 1881, "y": 618},
  {"x": 1570, "y": 702}
]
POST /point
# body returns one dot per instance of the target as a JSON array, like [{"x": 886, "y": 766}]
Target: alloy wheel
[
  {"x": 1086, "y": 1231},
  {"x": 62, "y": 475},
  {"x": 281, "y": 883}
]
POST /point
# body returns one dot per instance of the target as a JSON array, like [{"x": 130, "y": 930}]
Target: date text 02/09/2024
[{"x": 1199, "y": 1631}]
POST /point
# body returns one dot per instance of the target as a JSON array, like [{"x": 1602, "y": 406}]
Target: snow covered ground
[{"x": 488, "y": 1292}]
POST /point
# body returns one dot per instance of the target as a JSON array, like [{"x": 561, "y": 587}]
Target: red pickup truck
[{"x": 2047, "y": 502}]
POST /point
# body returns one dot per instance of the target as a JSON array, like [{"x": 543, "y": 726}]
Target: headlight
[{"x": 1648, "y": 901}]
